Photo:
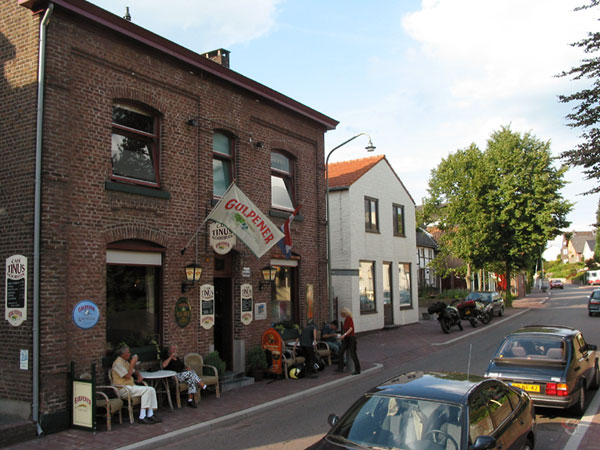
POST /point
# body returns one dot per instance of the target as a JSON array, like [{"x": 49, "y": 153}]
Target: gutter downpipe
[{"x": 37, "y": 218}]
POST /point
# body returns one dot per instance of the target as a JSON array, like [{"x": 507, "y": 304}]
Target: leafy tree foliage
[
  {"x": 498, "y": 208},
  {"x": 586, "y": 112}
]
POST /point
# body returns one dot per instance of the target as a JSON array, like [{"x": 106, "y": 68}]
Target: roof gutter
[
  {"x": 37, "y": 218},
  {"x": 146, "y": 37}
]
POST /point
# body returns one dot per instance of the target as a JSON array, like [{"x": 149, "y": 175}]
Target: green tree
[
  {"x": 597, "y": 245},
  {"x": 498, "y": 207},
  {"x": 586, "y": 112}
]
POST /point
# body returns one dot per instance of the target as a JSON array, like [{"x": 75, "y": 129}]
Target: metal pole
[{"x": 370, "y": 147}]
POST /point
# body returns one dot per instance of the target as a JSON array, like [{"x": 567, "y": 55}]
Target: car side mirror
[
  {"x": 589, "y": 347},
  {"x": 484, "y": 443},
  {"x": 332, "y": 419}
]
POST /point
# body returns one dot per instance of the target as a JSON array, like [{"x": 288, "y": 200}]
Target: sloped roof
[
  {"x": 425, "y": 239},
  {"x": 345, "y": 173},
  {"x": 579, "y": 239},
  {"x": 591, "y": 243}
]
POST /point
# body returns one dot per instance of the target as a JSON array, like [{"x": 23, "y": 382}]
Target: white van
[{"x": 593, "y": 277}]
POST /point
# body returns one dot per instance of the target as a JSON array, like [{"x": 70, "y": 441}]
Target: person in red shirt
[{"x": 348, "y": 342}]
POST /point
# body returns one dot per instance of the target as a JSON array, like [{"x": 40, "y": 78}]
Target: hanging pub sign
[
  {"x": 15, "y": 296},
  {"x": 207, "y": 306},
  {"x": 246, "y": 297},
  {"x": 86, "y": 314},
  {"x": 183, "y": 312},
  {"x": 222, "y": 240}
]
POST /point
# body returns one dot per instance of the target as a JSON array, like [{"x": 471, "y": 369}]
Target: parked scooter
[{"x": 448, "y": 316}]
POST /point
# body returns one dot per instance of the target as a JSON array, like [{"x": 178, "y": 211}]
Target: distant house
[
  {"x": 574, "y": 244},
  {"x": 426, "y": 250},
  {"x": 373, "y": 243}
]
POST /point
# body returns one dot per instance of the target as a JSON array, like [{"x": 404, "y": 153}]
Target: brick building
[{"x": 138, "y": 138}]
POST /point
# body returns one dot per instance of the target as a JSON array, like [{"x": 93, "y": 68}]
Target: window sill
[
  {"x": 366, "y": 313},
  {"x": 403, "y": 307},
  {"x": 372, "y": 231},
  {"x": 400, "y": 235},
  {"x": 285, "y": 214},
  {"x": 138, "y": 190}
]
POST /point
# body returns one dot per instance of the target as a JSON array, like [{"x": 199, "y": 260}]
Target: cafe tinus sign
[
  {"x": 15, "y": 295},
  {"x": 207, "y": 307},
  {"x": 222, "y": 240}
]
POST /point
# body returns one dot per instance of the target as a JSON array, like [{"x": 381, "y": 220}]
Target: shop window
[
  {"x": 134, "y": 150},
  {"x": 283, "y": 301},
  {"x": 132, "y": 298},
  {"x": 398, "y": 212},
  {"x": 404, "y": 284},
  {"x": 371, "y": 219},
  {"x": 366, "y": 274},
  {"x": 282, "y": 181},
  {"x": 222, "y": 163}
]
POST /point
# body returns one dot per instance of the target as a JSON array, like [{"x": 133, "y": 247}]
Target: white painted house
[{"x": 373, "y": 243}]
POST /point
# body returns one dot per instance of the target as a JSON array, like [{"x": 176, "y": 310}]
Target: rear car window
[{"x": 532, "y": 348}]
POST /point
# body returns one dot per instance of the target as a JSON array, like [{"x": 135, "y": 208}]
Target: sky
[{"x": 422, "y": 78}]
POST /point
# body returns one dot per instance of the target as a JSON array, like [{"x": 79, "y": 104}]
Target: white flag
[{"x": 246, "y": 221}]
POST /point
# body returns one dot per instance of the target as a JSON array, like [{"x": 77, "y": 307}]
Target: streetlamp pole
[{"x": 370, "y": 147}]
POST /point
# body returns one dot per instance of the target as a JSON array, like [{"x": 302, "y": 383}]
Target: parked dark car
[
  {"x": 556, "y": 284},
  {"x": 594, "y": 302},
  {"x": 488, "y": 297},
  {"x": 553, "y": 364},
  {"x": 435, "y": 411}
]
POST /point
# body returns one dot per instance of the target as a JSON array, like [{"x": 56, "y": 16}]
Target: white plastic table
[{"x": 159, "y": 380}]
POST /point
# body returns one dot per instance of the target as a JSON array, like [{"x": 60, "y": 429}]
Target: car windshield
[
  {"x": 596, "y": 295},
  {"x": 480, "y": 297},
  {"x": 399, "y": 423},
  {"x": 532, "y": 347}
]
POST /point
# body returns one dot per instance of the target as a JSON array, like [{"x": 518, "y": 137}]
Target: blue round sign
[{"x": 86, "y": 314}]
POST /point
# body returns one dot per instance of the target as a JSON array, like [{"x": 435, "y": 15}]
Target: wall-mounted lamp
[
  {"x": 268, "y": 273},
  {"x": 259, "y": 144},
  {"x": 193, "y": 122},
  {"x": 193, "y": 272}
]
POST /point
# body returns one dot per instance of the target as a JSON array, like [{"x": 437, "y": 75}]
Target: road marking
[
  {"x": 485, "y": 327},
  {"x": 584, "y": 424},
  {"x": 152, "y": 442}
]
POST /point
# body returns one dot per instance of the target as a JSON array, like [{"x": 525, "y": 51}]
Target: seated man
[
  {"x": 184, "y": 374},
  {"x": 329, "y": 334},
  {"x": 122, "y": 376}
]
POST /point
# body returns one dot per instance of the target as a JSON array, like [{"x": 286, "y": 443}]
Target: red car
[{"x": 556, "y": 284}]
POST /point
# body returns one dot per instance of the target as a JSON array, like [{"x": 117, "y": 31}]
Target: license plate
[
  {"x": 527, "y": 387},
  {"x": 467, "y": 312}
]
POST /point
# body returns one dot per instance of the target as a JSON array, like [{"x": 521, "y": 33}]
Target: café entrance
[{"x": 223, "y": 329}]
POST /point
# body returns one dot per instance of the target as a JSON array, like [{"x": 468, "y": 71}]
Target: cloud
[{"x": 205, "y": 25}]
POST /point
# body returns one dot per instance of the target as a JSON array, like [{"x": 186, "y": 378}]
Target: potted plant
[
  {"x": 256, "y": 362},
  {"x": 213, "y": 359}
]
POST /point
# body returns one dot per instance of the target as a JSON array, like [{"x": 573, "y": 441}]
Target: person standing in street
[
  {"x": 348, "y": 342},
  {"x": 308, "y": 341}
]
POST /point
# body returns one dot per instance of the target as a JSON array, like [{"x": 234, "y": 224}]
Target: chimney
[{"x": 220, "y": 56}]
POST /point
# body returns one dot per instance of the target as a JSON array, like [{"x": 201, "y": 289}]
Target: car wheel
[
  {"x": 501, "y": 313},
  {"x": 590, "y": 313},
  {"x": 579, "y": 407},
  {"x": 528, "y": 445}
]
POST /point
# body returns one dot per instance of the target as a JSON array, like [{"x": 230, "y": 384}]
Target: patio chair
[
  {"x": 209, "y": 374},
  {"x": 109, "y": 404},
  {"x": 323, "y": 350},
  {"x": 131, "y": 400}
]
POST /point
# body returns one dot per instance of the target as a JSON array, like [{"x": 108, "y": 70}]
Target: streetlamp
[{"x": 370, "y": 147}]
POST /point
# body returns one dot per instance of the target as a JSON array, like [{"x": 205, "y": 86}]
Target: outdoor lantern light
[
  {"x": 193, "y": 272},
  {"x": 268, "y": 273}
]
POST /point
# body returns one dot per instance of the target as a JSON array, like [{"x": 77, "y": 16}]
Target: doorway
[{"x": 223, "y": 331}]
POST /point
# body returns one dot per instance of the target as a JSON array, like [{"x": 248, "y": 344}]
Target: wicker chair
[
  {"x": 209, "y": 374},
  {"x": 131, "y": 400},
  {"x": 109, "y": 404},
  {"x": 323, "y": 349}
]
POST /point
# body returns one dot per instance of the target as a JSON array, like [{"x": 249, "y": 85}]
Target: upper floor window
[
  {"x": 135, "y": 144},
  {"x": 398, "y": 212},
  {"x": 282, "y": 181},
  {"x": 371, "y": 215},
  {"x": 222, "y": 163}
]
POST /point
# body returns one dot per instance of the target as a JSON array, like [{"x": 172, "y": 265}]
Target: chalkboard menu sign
[
  {"x": 15, "y": 297},
  {"x": 246, "y": 303},
  {"x": 207, "y": 306}
]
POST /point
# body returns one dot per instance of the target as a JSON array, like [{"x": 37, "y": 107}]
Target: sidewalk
[{"x": 389, "y": 348}]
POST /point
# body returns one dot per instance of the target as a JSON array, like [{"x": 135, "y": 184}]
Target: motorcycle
[
  {"x": 447, "y": 315},
  {"x": 474, "y": 311}
]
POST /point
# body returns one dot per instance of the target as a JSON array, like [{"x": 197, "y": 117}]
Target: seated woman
[{"x": 184, "y": 374}]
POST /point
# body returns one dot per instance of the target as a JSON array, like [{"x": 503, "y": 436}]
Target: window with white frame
[{"x": 366, "y": 281}]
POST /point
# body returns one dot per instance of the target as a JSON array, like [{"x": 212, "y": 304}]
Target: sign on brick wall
[{"x": 15, "y": 296}]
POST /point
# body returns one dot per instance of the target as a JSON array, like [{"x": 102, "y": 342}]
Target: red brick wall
[{"x": 87, "y": 68}]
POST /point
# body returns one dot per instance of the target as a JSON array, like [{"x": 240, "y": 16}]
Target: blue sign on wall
[{"x": 86, "y": 314}]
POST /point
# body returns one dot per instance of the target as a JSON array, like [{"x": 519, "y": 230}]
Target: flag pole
[{"x": 206, "y": 218}]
